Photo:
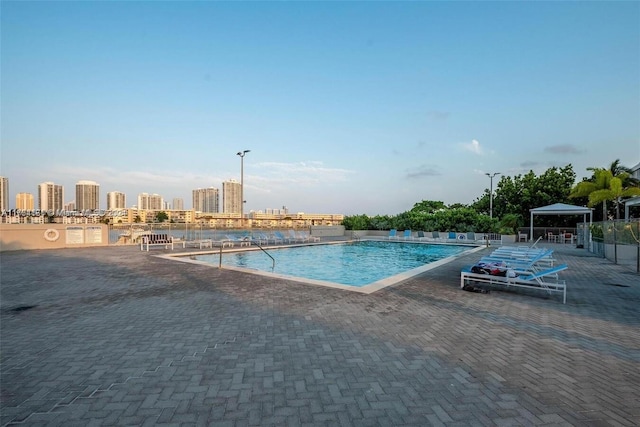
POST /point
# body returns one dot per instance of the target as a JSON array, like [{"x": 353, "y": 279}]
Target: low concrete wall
[
  {"x": 14, "y": 237},
  {"x": 327, "y": 231}
]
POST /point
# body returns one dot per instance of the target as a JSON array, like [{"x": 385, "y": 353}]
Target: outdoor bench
[{"x": 156, "y": 240}]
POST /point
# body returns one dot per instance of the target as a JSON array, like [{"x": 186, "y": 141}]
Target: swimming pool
[{"x": 366, "y": 265}]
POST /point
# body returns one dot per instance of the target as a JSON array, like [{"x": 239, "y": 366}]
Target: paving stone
[{"x": 122, "y": 337}]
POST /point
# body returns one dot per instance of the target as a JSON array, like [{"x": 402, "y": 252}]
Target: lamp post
[
  {"x": 490, "y": 192},
  {"x": 242, "y": 154}
]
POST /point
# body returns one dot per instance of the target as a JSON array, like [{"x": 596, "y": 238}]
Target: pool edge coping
[{"x": 365, "y": 289}]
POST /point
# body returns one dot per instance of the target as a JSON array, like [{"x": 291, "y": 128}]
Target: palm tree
[
  {"x": 624, "y": 173},
  {"x": 601, "y": 184},
  {"x": 615, "y": 191},
  {"x": 598, "y": 182}
]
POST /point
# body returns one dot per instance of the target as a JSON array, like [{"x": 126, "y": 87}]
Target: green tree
[
  {"x": 518, "y": 194},
  {"x": 605, "y": 190},
  {"x": 615, "y": 192},
  {"x": 162, "y": 216},
  {"x": 357, "y": 222},
  {"x": 428, "y": 206}
]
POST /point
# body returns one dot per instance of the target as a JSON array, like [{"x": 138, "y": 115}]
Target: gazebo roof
[
  {"x": 632, "y": 201},
  {"x": 561, "y": 209}
]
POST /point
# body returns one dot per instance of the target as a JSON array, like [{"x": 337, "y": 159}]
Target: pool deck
[{"x": 118, "y": 336}]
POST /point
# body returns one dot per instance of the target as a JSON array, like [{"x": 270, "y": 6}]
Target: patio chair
[
  {"x": 283, "y": 238},
  {"x": 307, "y": 236},
  {"x": 527, "y": 264},
  {"x": 275, "y": 237},
  {"x": 260, "y": 238},
  {"x": 243, "y": 241},
  {"x": 296, "y": 237},
  {"x": 407, "y": 235},
  {"x": 435, "y": 235},
  {"x": 393, "y": 234},
  {"x": 534, "y": 280}
]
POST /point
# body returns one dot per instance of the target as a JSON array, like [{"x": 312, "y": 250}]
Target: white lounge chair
[
  {"x": 533, "y": 280},
  {"x": 393, "y": 234}
]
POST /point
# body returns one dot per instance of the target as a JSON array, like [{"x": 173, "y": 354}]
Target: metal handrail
[{"x": 273, "y": 261}]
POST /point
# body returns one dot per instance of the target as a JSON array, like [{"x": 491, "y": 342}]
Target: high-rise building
[
  {"x": 231, "y": 196},
  {"x": 178, "y": 204},
  {"x": 50, "y": 197},
  {"x": 206, "y": 200},
  {"x": 87, "y": 196},
  {"x": 150, "y": 201},
  {"x": 4, "y": 193},
  {"x": 115, "y": 200},
  {"x": 24, "y": 201}
]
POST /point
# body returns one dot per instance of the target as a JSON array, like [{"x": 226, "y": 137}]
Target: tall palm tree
[
  {"x": 598, "y": 182},
  {"x": 614, "y": 191},
  {"x": 624, "y": 173},
  {"x": 601, "y": 182}
]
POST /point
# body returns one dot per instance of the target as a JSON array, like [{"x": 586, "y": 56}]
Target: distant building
[
  {"x": 50, "y": 197},
  {"x": 4, "y": 193},
  {"x": 116, "y": 200},
  {"x": 178, "y": 204},
  {"x": 24, "y": 201},
  {"x": 148, "y": 201},
  {"x": 87, "y": 196},
  {"x": 231, "y": 197},
  {"x": 206, "y": 200}
]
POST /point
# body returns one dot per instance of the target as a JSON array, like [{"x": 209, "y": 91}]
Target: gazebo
[
  {"x": 634, "y": 201},
  {"x": 563, "y": 209}
]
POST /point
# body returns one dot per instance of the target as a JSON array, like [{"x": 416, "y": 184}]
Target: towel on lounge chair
[{"x": 493, "y": 268}]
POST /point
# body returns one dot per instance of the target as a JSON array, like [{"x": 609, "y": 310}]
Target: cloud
[
  {"x": 422, "y": 171},
  {"x": 564, "y": 149},
  {"x": 299, "y": 173},
  {"x": 473, "y": 146}
]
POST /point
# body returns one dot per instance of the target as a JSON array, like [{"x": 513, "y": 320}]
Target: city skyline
[
  {"x": 116, "y": 198},
  {"x": 349, "y": 107}
]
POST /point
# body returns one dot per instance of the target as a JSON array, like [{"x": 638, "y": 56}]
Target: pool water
[{"x": 354, "y": 264}]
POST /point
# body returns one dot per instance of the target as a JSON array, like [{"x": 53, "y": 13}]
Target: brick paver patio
[{"x": 116, "y": 336}]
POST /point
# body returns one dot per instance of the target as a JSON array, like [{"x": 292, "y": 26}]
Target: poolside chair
[
  {"x": 421, "y": 236},
  {"x": 295, "y": 237},
  {"x": 533, "y": 280},
  {"x": 393, "y": 234},
  {"x": 407, "y": 235},
  {"x": 435, "y": 235},
  {"x": 524, "y": 264},
  {"x": 452, "y": 236},
  {"x": 283, "y": 238},
  {"x": 275, "y": 237},
  {"x": 308, "y": 237},
  {"x": 243, "y": 241},
  {"x": 260, "y": 238}
]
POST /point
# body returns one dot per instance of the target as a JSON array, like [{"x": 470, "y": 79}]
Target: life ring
[
  {"x": 461, "y": 237},
  {"x": 51, "y": 234}
]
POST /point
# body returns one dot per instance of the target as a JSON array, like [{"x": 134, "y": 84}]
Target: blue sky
[{"x": 347, "y": 107}]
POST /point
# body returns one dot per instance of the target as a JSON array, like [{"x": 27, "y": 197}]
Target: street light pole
[
  {"x": 242, "y": 154},
  {"x": 491, "y": 192}
]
